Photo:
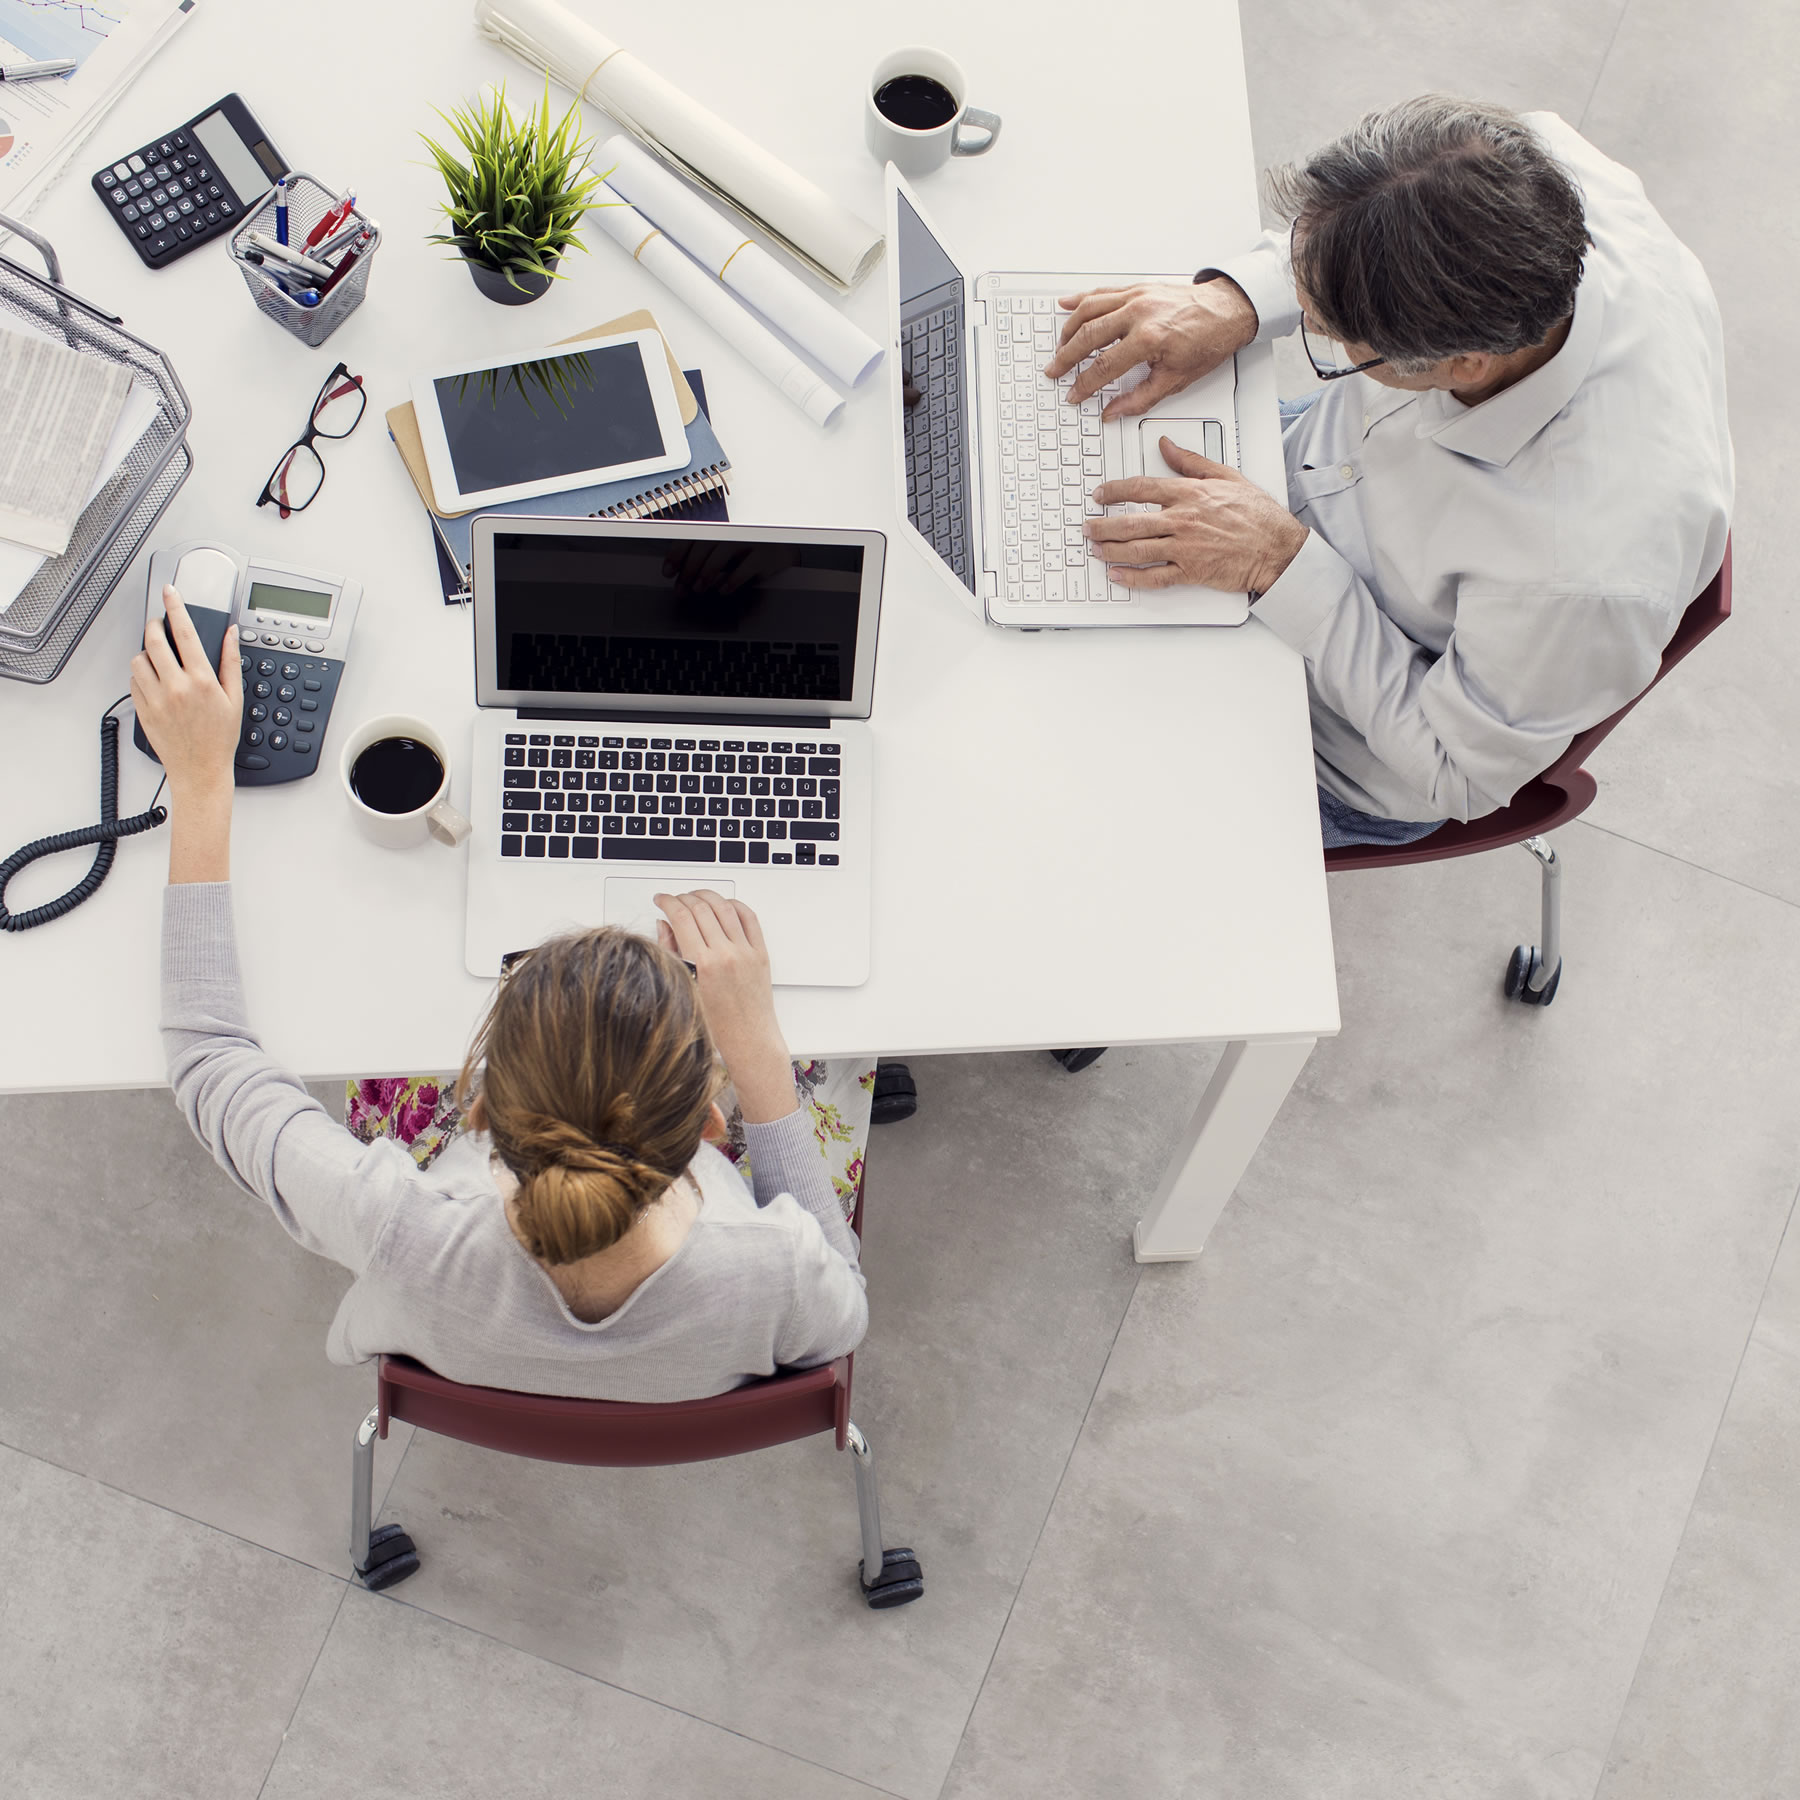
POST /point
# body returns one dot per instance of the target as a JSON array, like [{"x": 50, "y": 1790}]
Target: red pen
[
  {"x": 332, "y": 220},
  {"x": 346, "y": 263}
]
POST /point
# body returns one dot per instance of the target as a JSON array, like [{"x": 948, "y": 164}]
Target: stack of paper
[{"x": 42, "y": 122}]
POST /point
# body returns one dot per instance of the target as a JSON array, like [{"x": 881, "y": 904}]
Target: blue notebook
[{"x": 695, "y": 492}]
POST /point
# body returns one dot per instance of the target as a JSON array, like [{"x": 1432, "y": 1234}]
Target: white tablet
[{"x": 602, "y": 410}]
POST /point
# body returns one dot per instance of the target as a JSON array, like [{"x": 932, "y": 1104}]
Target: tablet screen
[{"x": 550, "y": 417}]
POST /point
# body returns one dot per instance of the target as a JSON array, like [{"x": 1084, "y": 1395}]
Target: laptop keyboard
[
  {"x": 1050, "y": 463},
  {"x": 935, "y": 453},
  {"x": 601, "y": 797}
]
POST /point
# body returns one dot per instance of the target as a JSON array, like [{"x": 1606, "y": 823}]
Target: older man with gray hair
[{"x": 1514, "y": 476}]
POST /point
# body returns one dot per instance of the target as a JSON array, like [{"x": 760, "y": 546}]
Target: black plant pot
[{"x": 496, "y": 286}]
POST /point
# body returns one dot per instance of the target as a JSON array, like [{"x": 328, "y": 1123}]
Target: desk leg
[{"x": 1239, "y": 1105}]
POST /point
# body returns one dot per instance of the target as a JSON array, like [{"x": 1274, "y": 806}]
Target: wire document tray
[{"x": 40, "y": 629}]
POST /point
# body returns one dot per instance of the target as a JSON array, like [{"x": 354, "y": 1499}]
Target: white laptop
[
  {"x": 996, "y": 473},
  {"x": 666, "y": 706}
]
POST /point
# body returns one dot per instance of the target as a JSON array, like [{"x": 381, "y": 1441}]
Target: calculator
[{"x": 193, "y": 184}]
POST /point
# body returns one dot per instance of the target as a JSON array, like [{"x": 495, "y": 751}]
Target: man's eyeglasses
[
  {"x": 1330, "y": 359},
  {"x": 300, "y": 474}
]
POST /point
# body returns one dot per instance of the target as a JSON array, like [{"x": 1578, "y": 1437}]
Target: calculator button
[
  {"x": 181, "y": 143},
  {"x": 181, "y": 231},
  {"x": 189, "y": 183},
  {"x": 160, "y": 246},
  {"x": 156, "y": 221},
  {"x": 117, "y": 196},
  {"x": 212, "y": 193},
  {"x": 160, "y": 172},
  {"x": 120, "y": 172},
  {"x": 212, "y": 218},
  {"x": 278, "y": 740},
  {"x": 225, "y": 208},
  {"x": 193, "y": 158},
  {"x": 167, "y": 148},
  {"x": 130, "y": 214},
  {"x": 137, "y": 164},
  {"x": 134, "y": 188},
  {"x": 185, "y": 206},
  {"x": 143, "y": 230}
]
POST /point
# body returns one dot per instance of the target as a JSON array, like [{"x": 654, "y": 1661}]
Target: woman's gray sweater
[{"x": 758, "y": 1284}]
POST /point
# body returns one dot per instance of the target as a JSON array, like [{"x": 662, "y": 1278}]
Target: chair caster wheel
[
  {"x": 1522, "y": 970},
  {"x": 392, "y": 1557},
  {"x": 896, "y": 1097},
  {"x": 1077, "y": 1060},
  {"x": 900, "y": 1580}
]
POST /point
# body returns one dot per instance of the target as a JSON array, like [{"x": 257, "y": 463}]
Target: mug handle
[
  {"x": 982, "y": 121},
  {"x": 446, "y": 824}
]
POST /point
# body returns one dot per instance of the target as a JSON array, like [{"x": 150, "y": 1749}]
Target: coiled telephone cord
[{"x": 106, "y": 834}]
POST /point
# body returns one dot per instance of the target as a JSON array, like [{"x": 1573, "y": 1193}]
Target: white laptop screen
[
  {"x": 934, "y": 393},
  {"x": 679, "y": 618}
]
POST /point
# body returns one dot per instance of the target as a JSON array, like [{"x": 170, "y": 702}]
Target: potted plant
[{"x": 513, "y": 206}]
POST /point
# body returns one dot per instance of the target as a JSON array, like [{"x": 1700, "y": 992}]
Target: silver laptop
[
  {"x": 996, "y": 473},
  {"x": 667, "y": 706}
]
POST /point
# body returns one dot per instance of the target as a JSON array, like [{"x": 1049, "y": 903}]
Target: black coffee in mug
[
  {"x": 915, "y": 102},
  {"x": 397, "y": 775}
]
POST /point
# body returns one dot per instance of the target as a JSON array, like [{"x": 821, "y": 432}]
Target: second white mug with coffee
[
  {"x": 396, "y": 776},
  {"x": 916, "y": 112}
]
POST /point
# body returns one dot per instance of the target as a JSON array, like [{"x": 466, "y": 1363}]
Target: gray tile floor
[{"x": 1465, "y": 1464}]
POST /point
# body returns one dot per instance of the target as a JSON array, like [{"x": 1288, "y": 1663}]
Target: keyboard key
[
  {"x": 781, "y": 856},
  {"x": 612, "y": 743},
  {"x": 519, "y": 778},
  {"x": 515, "y": 759},
  {"x": 538, "y": 759},
  {"x": 731, "y": 853},
  {"x": 667, "y": 850},
  {"x": 828, "y": 862},
  {"x": 637, "y": 826},
  {"x": 551, "y": 803},
  {"x": 612, "y": 825},
  {"x": 543, "y": 822},
  {"x": 823, "y": 831},
  {"x": 587, "y": 849},
  {"x": 787, "y": 809},
  {"x": 534, "y": 846},
  {"x": 587, "y": 743},
  {"x": 515, "y": 821},
  {"x": 822, "y": 765},
  {"x": 805, "y": 854},
  {"x": 752, "y": 828},
  {"x": 562, "y": 759},
  {"x": 559, "y": 846},
  {"x": 776, "y": 828},
  {"x": 759, "y": 853},
  {"x": 590, "y": 826},
  {"x": 565, "y": 741},
  {"x": 512, "y": 845}
]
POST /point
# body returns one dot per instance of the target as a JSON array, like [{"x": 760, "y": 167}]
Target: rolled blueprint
[
  {"x": 829, "y": 238},
  {"x": 684, "y": 277},
  {"x": 720, "y": 247}
]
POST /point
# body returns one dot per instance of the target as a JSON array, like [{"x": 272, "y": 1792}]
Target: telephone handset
[{"x": 294, "y": 627}]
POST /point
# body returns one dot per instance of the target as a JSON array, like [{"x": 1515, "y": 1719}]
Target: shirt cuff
[
  {"x": 199, "y": 939},
  {"x": 1263, "y": 276},
  {"x": 784, "y": 1157},
  {"x": 1306, "y": 593}
]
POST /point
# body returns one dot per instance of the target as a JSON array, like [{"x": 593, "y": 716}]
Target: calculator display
[
  {"x": 231, "y": 157},
  {"x": 300, "y": 603}
]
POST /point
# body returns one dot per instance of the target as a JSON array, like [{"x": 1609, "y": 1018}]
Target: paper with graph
[{"x": 42, "y": 122}]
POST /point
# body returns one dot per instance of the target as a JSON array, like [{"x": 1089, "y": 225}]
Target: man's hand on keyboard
[
  {"x": 1212, "y": 527},
  {"x": 1180, "y": 333}
]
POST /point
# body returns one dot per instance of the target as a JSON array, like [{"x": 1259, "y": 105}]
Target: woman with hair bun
[{"x": 582, "y": 1234}]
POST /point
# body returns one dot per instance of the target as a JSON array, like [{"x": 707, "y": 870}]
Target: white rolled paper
[
  {"x": 829, "y": 238},
  {"x": 719, "y": 246},
  {"x": 754, "y": 341}
]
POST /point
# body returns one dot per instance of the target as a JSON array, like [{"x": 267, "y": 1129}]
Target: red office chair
[
  {"x": 619, "y": 1434},
  {"x": 1561, "y": 793}
]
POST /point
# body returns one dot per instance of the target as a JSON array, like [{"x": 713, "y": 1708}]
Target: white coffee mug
[
  {"x": 919, "y": 152},
  {"x": 400, "y": 831}
]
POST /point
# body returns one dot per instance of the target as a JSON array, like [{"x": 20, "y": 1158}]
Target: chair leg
[
  {"x": 379, "y": 1557},
  {"x": 898, "y": 1577},
  {"x": 1535, "y": 970}
]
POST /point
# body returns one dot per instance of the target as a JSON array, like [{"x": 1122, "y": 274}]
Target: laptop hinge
[{"x": 698, "y": 720}]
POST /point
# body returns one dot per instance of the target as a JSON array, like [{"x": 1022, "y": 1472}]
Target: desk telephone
[{"x": 293, "y": 625}]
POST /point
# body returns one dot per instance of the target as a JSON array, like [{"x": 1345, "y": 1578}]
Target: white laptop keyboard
[
  {"x": 1050, "y": 462},
  {"x": 611, "y": 795}
]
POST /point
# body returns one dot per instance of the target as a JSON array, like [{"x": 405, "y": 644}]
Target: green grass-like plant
[{"x": 513, "y": 206}]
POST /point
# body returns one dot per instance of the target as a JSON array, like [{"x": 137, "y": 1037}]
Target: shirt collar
[{"x": 1498, "y": 429}]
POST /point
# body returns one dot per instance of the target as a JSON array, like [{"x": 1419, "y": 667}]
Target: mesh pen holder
[{"x": 308, "y": 202}]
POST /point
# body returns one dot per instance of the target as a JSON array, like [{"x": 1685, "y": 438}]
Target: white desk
[{"x": 1082, "y": 838}]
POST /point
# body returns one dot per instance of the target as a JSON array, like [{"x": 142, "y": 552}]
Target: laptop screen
[
  {"x": 934, "y": 393},
  {"x": 698, "y": 622}
]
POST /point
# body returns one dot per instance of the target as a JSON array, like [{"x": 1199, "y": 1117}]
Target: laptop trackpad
[
  {"x": 631, "y": 902},
  {"x": 1206, "y": 436}
]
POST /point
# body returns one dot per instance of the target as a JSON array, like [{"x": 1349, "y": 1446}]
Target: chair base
[
  {"x": 901, "y": 1580},
  {"x": 1525, "y": 980},
  {"x": 392, "y": 1557},
  {"x": 1077, "y": 1060}
]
